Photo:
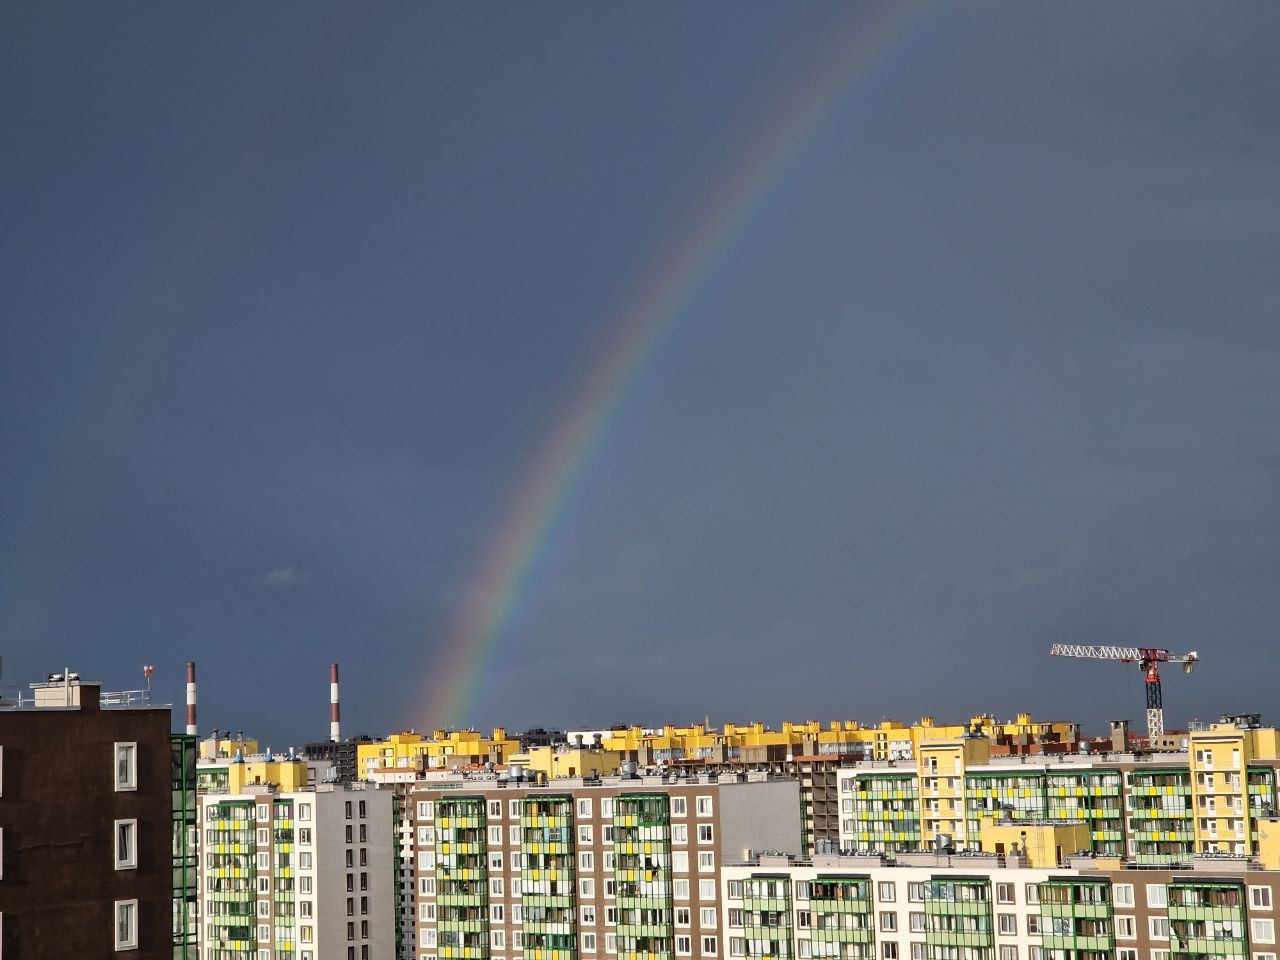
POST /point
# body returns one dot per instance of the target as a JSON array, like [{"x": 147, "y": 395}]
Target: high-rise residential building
[
  {"x": 1035, "y": 902},
  {"x": 1157, "y": 808},
  {"x": 96, "y": 799},
  {"x": 624, "y": 867},
  {"x": 292, "y": 869}
]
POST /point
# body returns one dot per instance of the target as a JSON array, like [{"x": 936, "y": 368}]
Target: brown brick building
[{"x": 86, "y": 827}]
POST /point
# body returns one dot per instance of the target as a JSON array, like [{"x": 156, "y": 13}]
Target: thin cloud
[{"x": 284, "y": 578}]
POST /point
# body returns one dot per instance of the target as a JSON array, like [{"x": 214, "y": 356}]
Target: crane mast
[{"x": 1148, "y": 660}]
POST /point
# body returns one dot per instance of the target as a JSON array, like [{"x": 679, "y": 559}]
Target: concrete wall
[{"x": 760, "y": 816}]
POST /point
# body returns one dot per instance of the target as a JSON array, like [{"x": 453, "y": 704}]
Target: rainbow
[{"x": 494, "y": 591}]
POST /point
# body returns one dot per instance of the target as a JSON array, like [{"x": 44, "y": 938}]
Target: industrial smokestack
[
  {"x": 191, "y": 698},
  {"x": 335, "y": 727}
]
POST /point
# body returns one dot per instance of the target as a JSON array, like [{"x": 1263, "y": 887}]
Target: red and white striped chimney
[
  {"x": 335, "y": 727},
  {"x": 191, "y": 698}
]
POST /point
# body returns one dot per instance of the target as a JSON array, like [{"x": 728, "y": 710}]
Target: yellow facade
[
  {"x": 224, "y": 748},
  {"x": 941, "y": 765},
  {"x": 285, "y": 774},
  {"x": 443, "y": 750},
  {"x": 1220, "y": 757},
  {"x": 570, "y": 762},
  {"x": 1042, "y": 844}
]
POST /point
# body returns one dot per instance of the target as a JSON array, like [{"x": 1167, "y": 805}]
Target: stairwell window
[
  {"x": 126, "y": 843},
  {"x": 126, "y": 924},
  {"x": 126, "y": 756}
]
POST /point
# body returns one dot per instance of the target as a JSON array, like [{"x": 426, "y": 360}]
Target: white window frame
[
  {"x": 1260, "y": 898},
  {"x": 1266, "y": 924},
  {"x": 130, "y": 939},
  {"x": 130, "y": 781},
  {"x": 131, "y": 827}
]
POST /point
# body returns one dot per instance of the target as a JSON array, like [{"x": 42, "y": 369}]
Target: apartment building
[
  {"x": 987, "y": 907},
  {"x": 95, "y": 803},
  {"x": 292, "y": 870},
  {"x": 623, "y": 867},
  {"x": 1155, "y": 808},
  {"x": 442, "y": 750}
]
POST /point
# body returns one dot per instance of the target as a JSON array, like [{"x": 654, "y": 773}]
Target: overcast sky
[{"x": 291, "y": 295}]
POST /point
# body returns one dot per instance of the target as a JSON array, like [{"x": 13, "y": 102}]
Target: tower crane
[{"x": 1148, "y": 660}]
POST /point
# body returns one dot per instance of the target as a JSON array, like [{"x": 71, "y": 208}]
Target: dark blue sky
[{"x": 291, "y": 295}]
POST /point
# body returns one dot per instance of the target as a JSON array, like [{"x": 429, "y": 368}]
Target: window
[
  {"x": 888, "y": 921},
  {"x": 304, "y": 834},
  {"x": 684, "y": 946},
  {"x": 584, "y": 832},
  {"x": 1126, "y": 928},
  {"x": 498, "y": 939},
  {"x": 513, "y": 808},
  {"x": 1262, "y": 930},
  {"x": 679, "y": 833},
  {"x": 707, "y": 917},
  {"x": 1160, "y": 954},
  {"x": 1158, "y": 927},
  {"x": 586, "y": 860},
  {"x": 610, "y": 943},
  {"x": 887, "y": 891},
  {"x": 737, "y": 947},
  {"x": 515, "y": 836},
  {"x": 1157, "y": 895},
  {"x": 683, "y": 915},
  {"x": 347, "y": 810},
  {"x": 426, "y": 810},
  {"x": 1033, "y": 894},
  {"x": 304, "y": 884},
  {"x": 304, "y": 860},
  {"x": 127, "y": 779},
  {"x": 589, "y": 942},
  {"x": 126, "y": 844},
  {"x": 495, "y": 885},
  {"x": 1126, "y": 953},
  {"x": 680, "y": 861},
  {"x": 704, "y": 806},
  {"x": 735, "y": 889},
  {"x": 496, "y": 912},
  {"x": 706, "y": 862},
  {"x": 916, "y": 921},
  {"x": 706, "y": 889},
  {"x": 495, "y": 835},
  {"x": 606, "y": 807},
  {"x": 1008, "y": 923},
  {"x": 1008, "y": 953},
  {"x": 1122, "y": 894},
  {"x": 361, "y": 810},
  {"x": 709, "y": 946},
  {"x": 918, "y": 951},
  {"x": 584, "y": 807},
  {"x": 1004, "y": 893},
  {"x": 495, "y": 860},
  {"x": 1033, "y": 924},
  {"x": 802, "y": 890},
  {"x": 589, "y": 915},
  {"x": 889, "y": 951},
  {"x": 1260, "y": 898},
  {"x": 915, "y": 893},
  {"x": 706, "y": 833},
  {"x": 127, "y": 922},
  {"x": 680, "y": 889},
  {"x": 679, "y": 807},
  {"x": 495, "y": 809},
  {"x": 587, "y": 887}
]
